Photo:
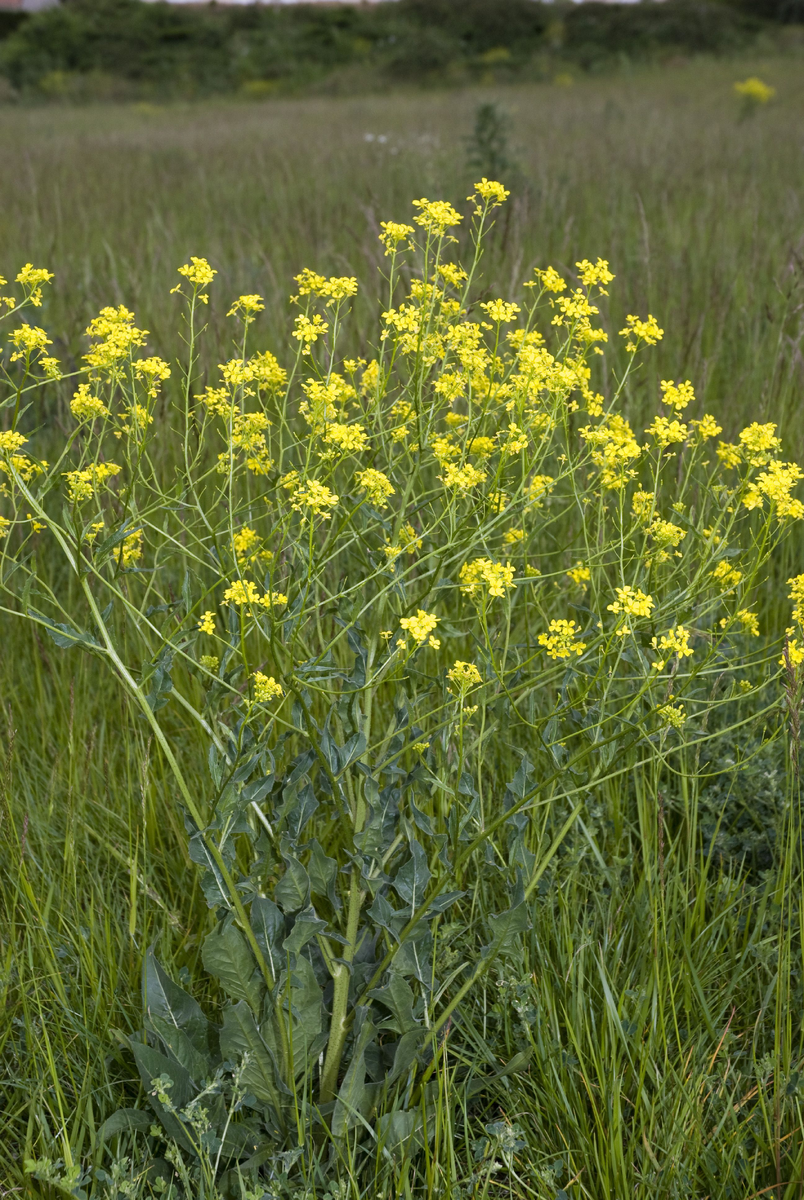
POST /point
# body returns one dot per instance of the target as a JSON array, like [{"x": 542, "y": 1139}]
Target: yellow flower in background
[
  {"x": 308, "y": 332},
  {"x": 247, "y": 307},
  {"x": 393, "y": 232},
  {"x": 579, "y": 574},
  {"x": 512, "y": 537},
  {"x": 130, "y": 550},
  {"x": 207, "y": 622},
  {"x": 27, "y": 340},
  {"x": 677, "y": 395},
  {"x": 349, "y": 439},
  {"x": 498, "y": 579},
  {"x": 673, "y": 715},
  {"x": 759, "y": 442},
  {"x": 436, "y": 216},
  {"x": 10, "y": 442},
  {"x": 675, "y": 641},
  {"x": 316, "y": 497},
  {"x": 500, "y": 311},
  {"x": 637, "y": 330},
  {"x": 377, "y": 485},
  {"x": 726, "y": 575},
  {"x": 632, "y": 602},
  {"x": 490, "y": 191},
  {"x": 667, "y": 432},
  {"x": 266, "y": 688},
  {"x": 754, "y": 90},
  {"x": 5, "y": 525},
  {"x": 549, "y": 278},
  {"x": 707, "y": 426},
  {"x": 729, "y": 454},
  {"x": 463, "y": 676},
  {"x": 421, "y": 626},
  {"x": 86, "y": 407},
  {"x": 83, "y": 484},
  {"x": 749, "y": 621},
  {"x": 594, "y": 274},
  {"x": 242, "y": 592},
  {"x": 198, "y": 272},
  {"x": 559, "y": 641},
  {"x": 32, "y": 278},
  {"x": 464, "y": 478}
]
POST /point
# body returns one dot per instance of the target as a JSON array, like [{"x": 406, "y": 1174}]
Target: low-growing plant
[{"x": 424, "y": 606}]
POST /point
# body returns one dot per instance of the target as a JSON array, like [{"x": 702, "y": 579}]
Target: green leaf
[
  {"x": 240, "y": 1036},
  {"x": 398, "y": 997},
  {"x": 412, "y": 879},
  {"x": 306, "y": 1001},
  {"x": 151, "y": 1064},
  {"x": 323, "y": 872},
  {"x": 293, "y": 890},
  {"x": 268, "y": 924},
  {"x": 64, "y": 635},
  {"x": 306, "y": 926},
  {"x": 167, "y": 1000},
  {"x": 226, "y": 955},
  {"x": 506, "y": 928},
  {"x": 125, "y": 1120},
  {"x": 352, "y": 1092}
]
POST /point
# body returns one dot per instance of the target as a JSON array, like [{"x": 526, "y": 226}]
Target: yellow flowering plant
[{"x": 319, "y": 560}]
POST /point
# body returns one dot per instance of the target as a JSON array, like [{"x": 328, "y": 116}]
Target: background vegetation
[
  {"x": 124, "y": 48},
  {"x": 700, "y": 215}
]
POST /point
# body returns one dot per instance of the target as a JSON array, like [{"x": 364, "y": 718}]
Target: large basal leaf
[
  {"x": 151, "y": 1065},
  {"x": 227, "y": 956},
  {"x": 165, "y": 999},
  {"x": 200, "y": 1066},
  {"x": 306, "y": 1002},
  {"x": 268, "y": 925},
  {"x": 241, "y": 1037},
  {"x": 398, "y": 997},
  {"x": 351, "y": 1097}
]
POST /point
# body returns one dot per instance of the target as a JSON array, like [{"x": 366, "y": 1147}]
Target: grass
[{"x": 659, "y": 995}]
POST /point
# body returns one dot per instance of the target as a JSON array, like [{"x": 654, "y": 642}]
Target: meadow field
[{"x": 636, "y": 1031}]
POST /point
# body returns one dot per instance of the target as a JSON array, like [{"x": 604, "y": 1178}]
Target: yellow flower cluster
[
  {"x": 667, "y": 432},
  {"x": 675, "y": 641},
  {"x": 420, "y": 628},
  {"x": 613, "y": 448},
  {"x": 266, "y": 688},
  {"x": 31, "y": 278},
  {"x": 436, "y": 216},
  {"x": 334, "y": 289},
  {"x": 726, "y": 575},
  {"x": 198, "y": 272},
  {"x": 497, "y": 577},
  {"x": 759, "y": 443},
  {"x": 638, "y": 331},
  {"x": 116, "y": 338},
  {"x": 207, "y": 622},
  {"x": 348, "y": 439},
  {"x": 377, "y": 485},
  {"x": 243, "y": 592},
  {"x": 754, "y": 90},
  {"x": 491, "y": 192},
  {"x": 86, "y": 407},
  {"x": 308, "y": 332},
  {"x": 594, "y": 274},
  {"x": 579, "y": 574},
  {"x": 632, "y": 602},
  {"x": 248, "y": 547},
  {"x": 464, "y": 478},
  {"x": 776, "y": 484},
  {"x": 28, "y": 340},
  {"x": 677, "y": 395},
  {"x": 315, "y": 497},
  {"x": 82, "y": 485},
  {"x": 463, "y": 676},
  {"x": 393, "y": 232},
  {"x": 559, "y": 641}
]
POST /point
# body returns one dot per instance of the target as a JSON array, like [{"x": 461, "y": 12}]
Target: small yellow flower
[
  {"x": 316, "y": 497},
  {"x": 579, "y": 574},
  {"x": 436, "y": 216},
  {"x": 86, "y": 407},
  {"x": 677, "y": 395},
  {"x": 421, "y": 626},
  {"x": 463, "y": 677},
  {"x": 464, "y": 478},
  {"x": 512, "y": 537},
  {"x": 32, "y": 278},
  {"x": 559, "y": 641},
  {"x": 490, "y": 191},
  {"x": 754, "y": 90},
  {"x": 675, "y": 641},
  {"x": 726, "y": 575},
  {"x": 632, "y": 602},
  {"x": 377, "y": 486},
  {"x": 207, "y": 622},
  {"x": 393, "y": 232},
  {"x": 500, "y": 311},
  {"x": 672, "y": 714},
  {"x": 637, "y": 331},
  {"x": 266, "y": 688},
  {"x": 498, "y": 578}
]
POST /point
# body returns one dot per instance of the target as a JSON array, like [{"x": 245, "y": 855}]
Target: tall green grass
[{"x": 658, "y": 1006}]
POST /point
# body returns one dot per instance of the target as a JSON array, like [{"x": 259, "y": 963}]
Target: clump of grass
[{"x": 445, "y": 642}]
